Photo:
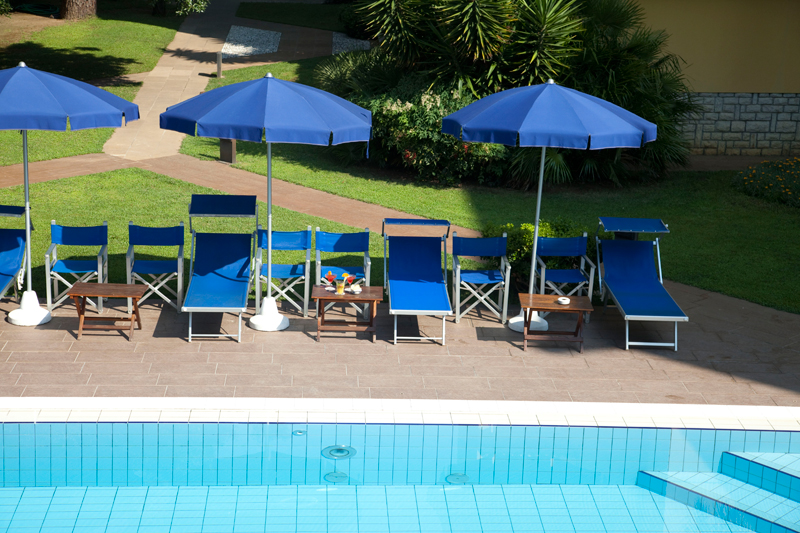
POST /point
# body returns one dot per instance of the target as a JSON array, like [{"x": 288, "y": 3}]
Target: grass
[
  {"x": 319, "y": 16},
  {"x": 301, "y": 71},
  {"x": 160, "y": 201},
  {"x": 44, "y": 145},
  {"x": 124, "y": 38}
]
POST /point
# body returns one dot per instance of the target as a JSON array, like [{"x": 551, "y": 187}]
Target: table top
[
  {"x": 108, "y": 290},
  {"x": 547, "y": 302},
  {"x": 367, "y": 293}
]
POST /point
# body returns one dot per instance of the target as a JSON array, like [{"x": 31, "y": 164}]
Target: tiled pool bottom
[
  {"x": 276, "y": 477},
  {"x": 356, "y": 509}
]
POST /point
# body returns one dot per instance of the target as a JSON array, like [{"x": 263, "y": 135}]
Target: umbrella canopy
[
  {"x": 34, "y": 100},
  {"x": 550, "y": 116},
  {"x": 276, "y": 111}
]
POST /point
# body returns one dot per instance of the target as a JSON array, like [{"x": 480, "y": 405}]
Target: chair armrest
[
  {"x": 456, "y": 263},
  {"x": 505, "y": 267},
  {"x": 319, "y": 267},
  {"x": 103, "y": 253},
  {"x": 367, "y": 262},
  {"x": 542, "y": 277},
  {"x": 180, "y": 252},
  {"x": 51, "y": 251},
  {"x": 259, "y": 258},
  {"x": 129, "y": 255},
  {"x": 586, "y": 258},
  {"x": 308, "y": 255}
]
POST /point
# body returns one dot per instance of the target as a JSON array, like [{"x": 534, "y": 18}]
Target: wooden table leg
[
  {"x": 579, "y": 330},
  {"x": 80, "y": 305},
  {"x": 134, "y": 318},
  {"x": 374, "y": 306},
  {"x": 320, "y": 315},
  {"x": 526, "y": 321}
]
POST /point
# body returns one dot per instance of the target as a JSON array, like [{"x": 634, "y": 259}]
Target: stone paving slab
[{"x": 736, "y": 365}]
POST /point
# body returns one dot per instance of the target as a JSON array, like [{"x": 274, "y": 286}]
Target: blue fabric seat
[
  {"x": 71, "y": 271},
  {"x": 220, "y": 276},
  {"x": 481, "y": 284},
  {"x": 577, "y": 281},
  {"x": 156, "y": 273},
  {"x": 12, "y": 258},
  {"x": 289, "y": 275}
]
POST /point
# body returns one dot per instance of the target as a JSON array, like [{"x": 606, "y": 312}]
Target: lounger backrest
[
  {"x": 562, "y": 246},
  {"x": 485, "y": 247},
  {"x": 415, "y": 258},
  {"x": 342, "y": 242},
  {"x": 630, "y": 261},
  {"x": 12, "y": 250},
  {"x": 225, "y": 254},
  {"x": 79, "y": 236},
  {"x": 286, "y": 240},
  {"x": 145, "y": 236}
]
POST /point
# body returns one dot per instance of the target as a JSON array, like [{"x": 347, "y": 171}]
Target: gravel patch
[
  {"x": 243, "y": 41},
  {"x": 343, "y": 43}
]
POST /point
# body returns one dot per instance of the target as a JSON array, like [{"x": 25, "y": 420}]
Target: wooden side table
[
  {"x": 547, "y": 303},
  {"x": 80, "y": 291},
  {"x": 368, "y": 295}
]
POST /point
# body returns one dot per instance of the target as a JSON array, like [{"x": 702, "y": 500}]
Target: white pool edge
[{"x": 374, "y": 411}]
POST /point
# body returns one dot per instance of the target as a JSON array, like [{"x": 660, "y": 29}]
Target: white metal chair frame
[
  {"x": 157, "y": 282},
  {"x": 287, "y": 284},
  {"x": 479, "y": 292},
  {"x": 101, "y": 275},
  {"x": 560, "y": 288}
]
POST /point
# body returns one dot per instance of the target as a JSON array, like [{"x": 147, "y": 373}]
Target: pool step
[
  {"x": 775, "y": 472},
  {"x": 725, "y": 497}
]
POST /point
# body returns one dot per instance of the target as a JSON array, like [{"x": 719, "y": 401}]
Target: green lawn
[
  {"x": 123, "y": 39},
  {"x": 44, "y": 145},
  {"x": 319, "y": 16},
  {"x": 159, "y": 201},
  {"x": 301, "y": 71}
]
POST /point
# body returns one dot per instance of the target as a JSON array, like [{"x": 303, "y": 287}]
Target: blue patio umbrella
[
  {"x": 550, "y": 116},
  {"x": 274, "y": 111},
  {"x": 34, "y": 100}
]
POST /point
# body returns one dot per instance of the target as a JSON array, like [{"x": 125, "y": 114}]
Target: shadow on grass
[{"x": 76, "y": 63}]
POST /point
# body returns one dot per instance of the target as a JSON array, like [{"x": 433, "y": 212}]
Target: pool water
[{"x": 406, "y": 478}]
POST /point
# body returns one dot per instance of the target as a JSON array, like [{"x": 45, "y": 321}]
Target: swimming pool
[{"x": 242, "y": 477}]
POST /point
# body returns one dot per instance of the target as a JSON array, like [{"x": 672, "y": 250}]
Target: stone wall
[{"x": 765, "y": 124}]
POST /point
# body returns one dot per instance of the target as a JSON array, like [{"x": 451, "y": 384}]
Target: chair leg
[
  {"x": 305, "y": 297},
  {"x": 258, "y": 293}
]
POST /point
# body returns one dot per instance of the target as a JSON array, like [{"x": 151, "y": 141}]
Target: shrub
[
  {"x": 519, "y": 246},
  {"x": 361, "y": 73},
  {"x": 5, "y": 7},
  {"x": 407, "y": 132},
  {"x": 353, "y": 22},
  {"x": 777, "y": 181}
]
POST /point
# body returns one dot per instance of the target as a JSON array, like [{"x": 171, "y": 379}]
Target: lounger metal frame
[
  {"x": 630, "y": 232},
  {"x": 15, "y": 211},
  {"x": 416, "y": 222}
]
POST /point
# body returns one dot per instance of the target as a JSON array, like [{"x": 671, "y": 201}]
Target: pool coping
[{"x": 374, "y": 411}]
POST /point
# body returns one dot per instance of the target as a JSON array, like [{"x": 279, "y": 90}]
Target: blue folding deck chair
[
  {"x": 347, "y": 243},
  {"x": 12, "y": 259},
  {"x": 290, "y": 275},
  {"x": 480, "y": 284},
  {"x": 577, "y": 280},
  {"x": 156, "y": 273},
  {"x": 220, "y": 266},
  {"x": 81, "y": 270},
  {"x": 414, "y": 270},
  {"x": 628, "y": 275}
]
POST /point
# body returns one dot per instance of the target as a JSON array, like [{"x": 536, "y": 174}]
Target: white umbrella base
[
  {"x": 517, "y": 323},
  {"x": 29, "y": 312},
  {"x": 269, "y": 319}
]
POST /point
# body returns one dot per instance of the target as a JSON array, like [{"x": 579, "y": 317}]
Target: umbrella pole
[
  {"x": 538, "y": 323},
  {"x": 269, "y": 220},
  {"x": 30, "y": 313},
  {"x": 536, "y": 225},
  {"x": 27, "y": 211},
  {"x": 269, "y": 319}
]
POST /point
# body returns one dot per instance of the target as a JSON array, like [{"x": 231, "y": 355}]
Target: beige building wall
[{"x": 739, "y": 46}]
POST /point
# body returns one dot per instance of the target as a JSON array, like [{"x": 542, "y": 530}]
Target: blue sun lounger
[
  {"x": 416, "y": 280},
  {"x": 628, "y": 275},
  {"x": 12, "y": 258},
  {"x": 220, "y": 269}
]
